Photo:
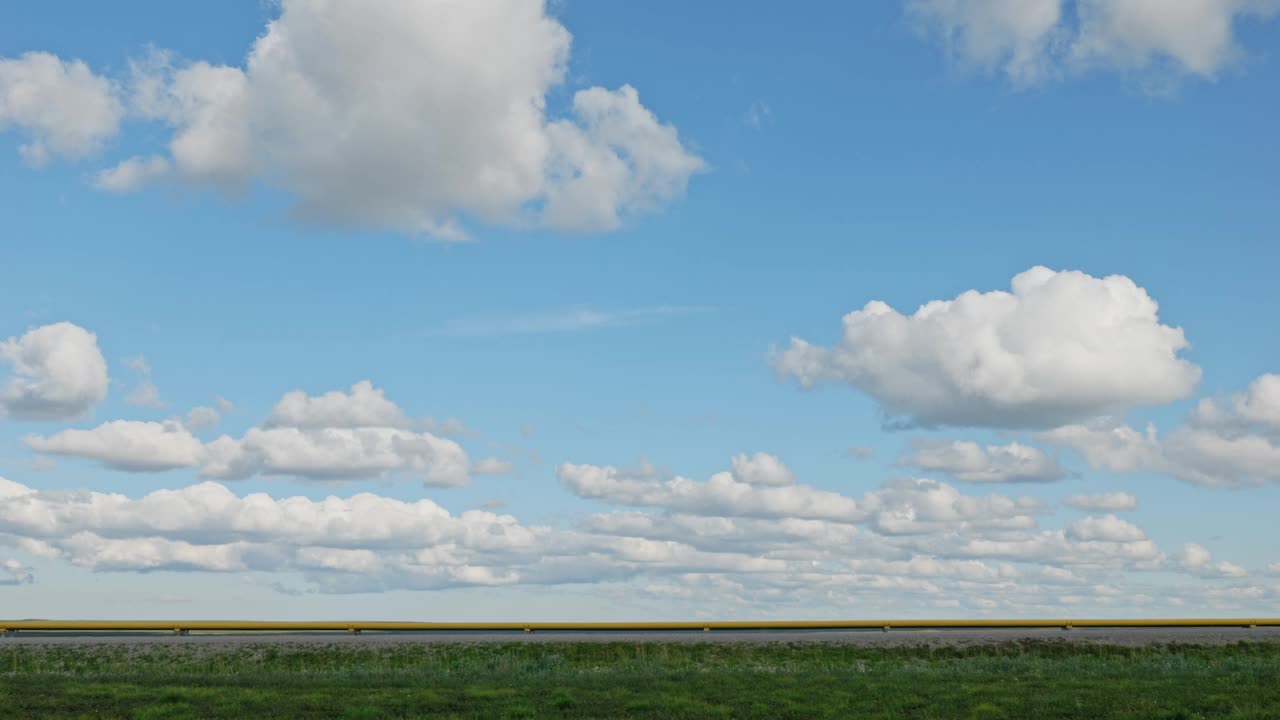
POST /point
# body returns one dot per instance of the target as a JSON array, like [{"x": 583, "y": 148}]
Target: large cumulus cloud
[
  {"x": 1059, "y": 347},
  {"x": 411, "y": 116}
]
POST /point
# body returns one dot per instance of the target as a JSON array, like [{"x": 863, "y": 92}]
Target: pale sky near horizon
[{"x": 608, "y": 310}]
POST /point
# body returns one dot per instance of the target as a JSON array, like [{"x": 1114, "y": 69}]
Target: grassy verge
[{"x": 639, "y": 680}]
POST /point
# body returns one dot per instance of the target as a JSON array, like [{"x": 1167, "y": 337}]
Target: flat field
[{"x": 1030, "y": 678}]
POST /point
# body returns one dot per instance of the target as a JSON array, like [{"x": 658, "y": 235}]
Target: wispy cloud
[
  {"x": 759, "y": 114},
  {"x": 574, "y": 319},
  {"x": 146, "y": 394}
]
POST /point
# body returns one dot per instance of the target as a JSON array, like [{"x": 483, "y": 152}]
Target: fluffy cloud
[
  {"x": 1062, "y": 346},
  {"x": 132, "y": 174},
  {"x": 1104, "y": 502},
  {"x": 1224, "y": 442},
  {"x": 755, "y": 536},
  {"x": 914, "y": 506},
  {"x": 1108, "y": 528},
  {"x": 956, "y": 553},
  {"x": 1196, "y": 36},
  {"x": 128, "y": 445},
  {"x": 1011, "y": 35},
  {"x": 722, "y": 494},
  {"x": 343, "y": 544},
  {"x": 335, "y": 436},
  {"x": 1086, "y": 547},
  {"x": 615, "y": 157},
  {"x": 207, "y": 527},
  {"x": 761, "y": 469},
  {"x": 338, "y": 454},
  {"x": 1033, "y": 40},
  {"x": 1197, "y": 560},
  {"x": 63, "y": 107},
  {"x": 363, "y": 406},
  {"x": 903, "y": 506},
  {"x": 1258, "y": 405},
  {"x": 58, "y": 373},
  {"x": 466, "y": 133},
  {"x": 970, "y": 462}
]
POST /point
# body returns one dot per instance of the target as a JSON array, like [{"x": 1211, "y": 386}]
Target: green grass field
[{"x": 638, "y": 680}]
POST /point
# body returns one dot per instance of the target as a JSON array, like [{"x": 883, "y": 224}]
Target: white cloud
[
  {"x": 613, "y": 159},
  {"x": 1224, "y": 442},
  {"x": 63, "y": 107},
  {"x": 362, "y": 543},
  {"x": 1197, "y": 560},
  {"x": 1060, "y": 575},
  {"x": 722, "y": 494},
  {"x": 970, "y": 462},
  {"x": 1104, "y": 502},
  {"x": 1115, "y": 447},
  {"x": 335, "y": 436},
  {"x": 1057, "y": 548},
  {"x": 1208, "y": 457},
  {"x": 363, "y": 406},
  {"x": 338, "y": 453},
  {"x": 905, "y": 506},
  {"x": 207, "y": 527},
  {"x": 13, "y": 572},
  {"x": 465, "y": 133},
  {"x": 202, "y": 417},
  {"x": 1258, "y": 404},
  {"x": 132, "y": 173},
  {"x": 959, "y": 555},
  {"x": 58, "y": 373},
  {"x": 1014, "y": 36},
  {"x": 761, "y": 469},
  {"x": 1062, "y": 346},
  {"x": 492, "y": 466},
  {"x": 1035, "y": 40},
  {"x": 718, "y": 533},
  {"x": 1195, "y": 36},
  {"x": 914, "y": 506},
  {"x": 209, "y": 108},
  {"x": 1107, "y": 528},
  {"x": 128, "y": 445}
]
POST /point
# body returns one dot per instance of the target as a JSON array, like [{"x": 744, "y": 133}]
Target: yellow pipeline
[{"x": 362, "y": 626}]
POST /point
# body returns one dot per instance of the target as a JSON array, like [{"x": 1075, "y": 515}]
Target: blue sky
[{"x": 589, "y": 232}]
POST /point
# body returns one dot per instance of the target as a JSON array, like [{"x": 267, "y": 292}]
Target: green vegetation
[{"x": 638, "y": 680}]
